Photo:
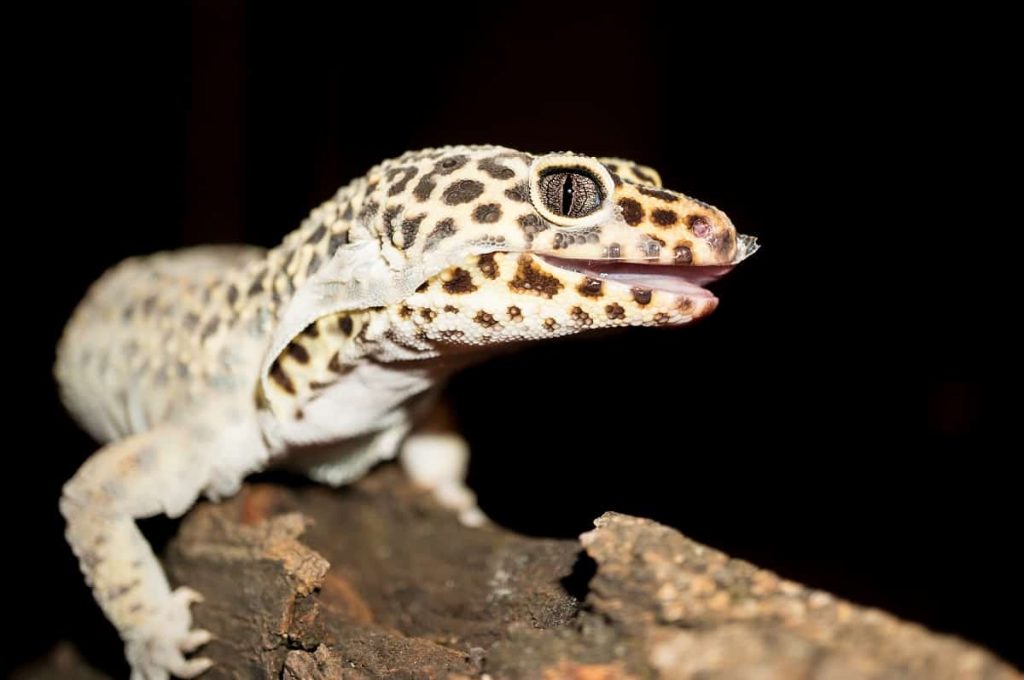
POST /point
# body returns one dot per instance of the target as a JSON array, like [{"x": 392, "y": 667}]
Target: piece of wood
[{"x": 377, "y": 581}]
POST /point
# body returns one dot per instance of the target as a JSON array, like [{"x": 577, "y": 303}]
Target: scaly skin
[{"x": 201, "y": 366}]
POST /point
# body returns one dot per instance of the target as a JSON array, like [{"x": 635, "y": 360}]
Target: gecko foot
[
  {"x": 438, "y": 461},
  {"x": 158, "y": 651}
]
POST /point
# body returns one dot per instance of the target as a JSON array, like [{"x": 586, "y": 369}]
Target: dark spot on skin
[
  {"x": 531, "y": 225},
  {"x": 723, "y": 244},
  {"x": 211, "y": 327},
  {"x": 487, "y": 213},
  {"x": 232, "y": 294},
  {"x": 371, "y": 187},
  {"x": 451, "y": 309},
  {"x": 422, "y": 288},
  {"x": 347, "y": 215},
  {"x": 257, "y": 286},
  {"x": 117, "y": 592},
  {"x": 664, "y": 218},
  {"x": 550, "y": 324},
  {"x": 389, "y": 218},
  {"x": 632, "y": 211},
  {"x": 443, "y": 230},
  {"x": 520, "y": 193},
  {"x": 462, "y": 191},
  {"x": 337, "y": 241},
  {"x": 661, "y": 318},
  {"x": 590, "y": 288},
  {"x": 643, "y": 176},
  {"x": 297, "y": 352},
  {"x": 299, "y": 414},
  {"x": 615, "y": 311},
  {"x": 149, "y": 304},
  {"x": 683, "y": 254},
  {"x": 404, "y": 342},
  {"x": 181, "y": 368},
  {"x": 288, "y": 260},
  {"x": 405, "y": 311},
  {"x": 612, "y": 167},
  {"x": 321, "y": 384},
  {"x": 515, "y": 313},
  {"x": 699, "y": 225},
  {"x": 531, "y": 279},
  {"x": 495, "y": 169},
  {"x": 488, "y": 267},
  {"x": 317, "y": 235},
  {"x": 311, "y": 331},
  {"x": 335, "y": 365},
  {"x": 314, "y": 265},
  {"x": 411, "y": 227},
  {"x": 642, "y": 296},
  {"x": 447, "y": 166},
  {"x": 427, "y": 314},
  {"x": 657, "y": 193},
  {"x": 190, "y": 321},
  {"x": 616, "y": 180},
  {"x": 424, "y": 188},
  {"x": 368, "y": 211},
  {"x": 580, "y": 317},
  {"x": 398, "y": 187},
  {"x": 485, "y": 319},
  {"x": 278, "y": 375},
  {"x": 461, "y": 282},
  {"x": 128, "y": 313},
  {"x": 685, "y": 305},
  {"x": 345, "y": 324}
]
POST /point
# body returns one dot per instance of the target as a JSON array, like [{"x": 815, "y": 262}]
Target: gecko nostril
[{"x": 699, "y": 225}]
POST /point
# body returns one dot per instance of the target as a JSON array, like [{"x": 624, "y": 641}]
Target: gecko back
[{"x": 132, "y": 352}]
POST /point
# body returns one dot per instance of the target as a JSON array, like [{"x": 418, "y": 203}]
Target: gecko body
[{"x": 198, "y": 367}]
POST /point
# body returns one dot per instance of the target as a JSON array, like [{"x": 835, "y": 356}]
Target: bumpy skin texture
[{"x": 201, "y": 366}]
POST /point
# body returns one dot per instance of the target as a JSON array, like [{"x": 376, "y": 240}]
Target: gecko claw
[
  {"x": 187, "y": 596},
  {"x": 195, "y": 639}
]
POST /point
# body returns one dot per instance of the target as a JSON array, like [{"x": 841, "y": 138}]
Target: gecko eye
[{"x": 570, "y": 192}]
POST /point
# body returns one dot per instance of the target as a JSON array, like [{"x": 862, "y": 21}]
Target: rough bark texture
[{"x": 378, "y": 582}]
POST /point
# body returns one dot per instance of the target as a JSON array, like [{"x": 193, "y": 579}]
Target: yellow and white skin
[{"x": 197, "y": 367}]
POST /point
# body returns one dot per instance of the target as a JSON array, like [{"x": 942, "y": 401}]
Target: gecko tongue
[{"x": 679, "y": 279}]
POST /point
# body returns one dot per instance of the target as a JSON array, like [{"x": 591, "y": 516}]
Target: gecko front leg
[
  {"x": 438, "y": 462},
  {"x": 160, "y": 471}
]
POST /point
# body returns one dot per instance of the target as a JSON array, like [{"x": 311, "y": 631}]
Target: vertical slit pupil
[{"x": 567, "y": 190}]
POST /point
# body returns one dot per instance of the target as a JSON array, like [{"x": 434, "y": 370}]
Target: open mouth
[{"x": 688, "y": 280}]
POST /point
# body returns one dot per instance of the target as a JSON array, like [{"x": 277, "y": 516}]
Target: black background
[{"x": 838, "y": 419}]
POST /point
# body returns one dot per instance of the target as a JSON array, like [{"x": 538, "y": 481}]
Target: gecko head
[{"x": 539, "y": 246}]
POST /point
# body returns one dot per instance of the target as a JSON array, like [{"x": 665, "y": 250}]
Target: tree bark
[{"x": 377, "y": 581}]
